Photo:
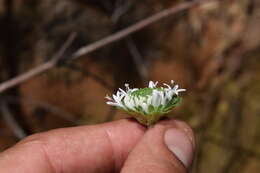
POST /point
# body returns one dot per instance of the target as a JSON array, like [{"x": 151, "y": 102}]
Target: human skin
[{"x": 119, "y": 146}]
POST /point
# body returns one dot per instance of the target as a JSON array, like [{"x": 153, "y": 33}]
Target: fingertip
[
  {"x": 167, "y": 146},
  {"x": 179, "y": 138},
  {"x": 180, "y": 145}
]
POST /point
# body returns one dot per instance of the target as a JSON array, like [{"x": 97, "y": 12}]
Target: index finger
[{"x": 92, "y": 149}]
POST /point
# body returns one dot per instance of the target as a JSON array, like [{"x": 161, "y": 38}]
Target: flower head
[{"x": 148, "y": 104}]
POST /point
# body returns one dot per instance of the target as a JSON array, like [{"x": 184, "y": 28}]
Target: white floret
[{"x": 125, "y": 100}]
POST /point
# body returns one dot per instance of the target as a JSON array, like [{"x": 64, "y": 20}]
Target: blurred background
[{"x": 212, "y": 50}]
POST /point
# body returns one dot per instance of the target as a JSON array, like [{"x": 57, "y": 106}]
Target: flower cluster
[{"x": 147, "y": 105}]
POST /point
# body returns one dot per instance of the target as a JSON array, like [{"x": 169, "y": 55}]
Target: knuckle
[{"x": 40, "y": 143}]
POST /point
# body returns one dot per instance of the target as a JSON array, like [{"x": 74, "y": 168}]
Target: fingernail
[{"x": 179, "y": 143}]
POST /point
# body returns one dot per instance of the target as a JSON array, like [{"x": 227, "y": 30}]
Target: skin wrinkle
[
  {"x": 38, "y": 144},
  {"x": 44, "y": 144},
  {"x": 108, "y": 136},
  {"x": 66, "y": 146},
  {"x": 47, "y": 157}
]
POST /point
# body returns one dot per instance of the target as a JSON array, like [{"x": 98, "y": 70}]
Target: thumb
[{"x": 166, "y": 147}]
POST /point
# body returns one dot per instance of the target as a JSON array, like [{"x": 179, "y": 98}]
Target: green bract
[{"x": 147, "y": 105}]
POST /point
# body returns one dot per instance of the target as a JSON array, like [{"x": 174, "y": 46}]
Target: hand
[{"x": 120, "y": 146}]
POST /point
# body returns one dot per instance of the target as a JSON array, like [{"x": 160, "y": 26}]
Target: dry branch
[
  {"x": 96, "y": 45},
  {"x": 40, "y": 69},
  {"x": 11, "y": 122}
]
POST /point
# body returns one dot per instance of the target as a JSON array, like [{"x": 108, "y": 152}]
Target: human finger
[
  {"x": 167, "y": 147},
  {"x": 92, "y": 149}
]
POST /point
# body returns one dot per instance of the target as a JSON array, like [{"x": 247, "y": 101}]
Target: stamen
[{"x": 127, "y": 87}]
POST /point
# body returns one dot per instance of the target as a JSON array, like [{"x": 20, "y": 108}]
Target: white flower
[{"x": 147, "y": 105}]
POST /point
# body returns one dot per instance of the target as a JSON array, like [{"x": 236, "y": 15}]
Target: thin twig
[
  {"x": 135, "y": 27},
  {"x": 121, "y": 9},
  {"x": 11, "y": 122},
  {"x": 88, "y": 73},
  {"x": 98, "y": 44},
  {"x": 138, "y": 59},
  {"x": 46, "y": 106},
  {"x": 40, "y": 69}
]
